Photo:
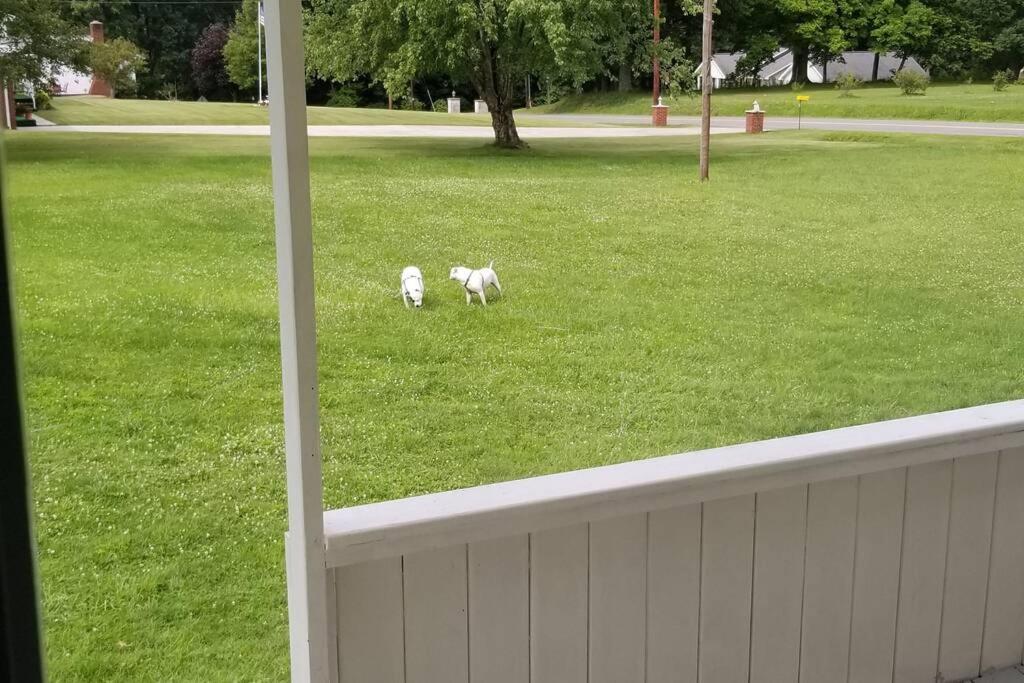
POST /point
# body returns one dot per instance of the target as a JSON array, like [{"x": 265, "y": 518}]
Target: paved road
[
  {"x": 734, "y": 123},
  {"x": 481, "y": 132}
]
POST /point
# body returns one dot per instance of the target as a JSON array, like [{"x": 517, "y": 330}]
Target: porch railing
[{"x": 885, "y": 552}]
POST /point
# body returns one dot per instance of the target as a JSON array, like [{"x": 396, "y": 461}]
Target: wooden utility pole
[
  {"x": 657, "y": 62},
  {"x": 706, "y": 84}
]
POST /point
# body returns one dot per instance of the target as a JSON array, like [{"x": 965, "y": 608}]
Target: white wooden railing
[{"x": 884, "y": 552}]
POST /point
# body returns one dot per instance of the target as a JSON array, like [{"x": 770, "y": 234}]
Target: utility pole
[
  {"x": 706, "y": 84},
  {"x": 657, "y": 61}
]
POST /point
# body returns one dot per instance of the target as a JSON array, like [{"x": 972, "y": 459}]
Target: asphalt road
[{"x": 734, "y": 123}]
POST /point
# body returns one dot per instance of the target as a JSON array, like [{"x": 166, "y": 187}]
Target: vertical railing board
[
  {"x": 970, "y": 538},
  {"x": 876, "y": 581},
  {"x": 778, "y": 585},
  {"x": 1004, "y": 617},
  {"x": 499, "y": 610},
  {"x": 436, "y": 619},
  {"x": 618, "y": 599},
  {"x": 334, "y": 674},
  {"x": 673, "y": 594},
  {"x": 558, "y": 605},
  {"x": 727, "y": 555},
  {"x": 828, "y": 580},
  {"x": 922, "y": 574},
  {"x": 370, "y": 631}
]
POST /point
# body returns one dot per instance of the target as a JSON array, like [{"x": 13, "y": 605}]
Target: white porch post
[{"x": 307, "y": 589}]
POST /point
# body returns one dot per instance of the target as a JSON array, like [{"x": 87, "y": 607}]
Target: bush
[
  {"x": 911, "y": 82},
  {"x": 1001, "y": 80},
  {"x": 343, "y": 97},
  {"x": 410, "y": 103},
  {"x": 441, "y": 106},
  {"x": 168, "y": 91},
  {"x": 796, "y": 87},
  {"x": 847, "y": 83},
  {"x": 44, "y": 100}
]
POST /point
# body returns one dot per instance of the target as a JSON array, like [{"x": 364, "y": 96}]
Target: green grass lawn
[
  {"x": 946, "y": 102},
  {"x": 819, "y": 280},
  {"x": 86, "y": 110}
]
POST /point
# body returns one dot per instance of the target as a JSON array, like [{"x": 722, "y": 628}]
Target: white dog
[
  {"x": 412, "y": 286},
  {"x": 476, "y": 281}
]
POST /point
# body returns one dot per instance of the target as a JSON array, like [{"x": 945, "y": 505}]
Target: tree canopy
[
  {"x": 35, "y": 39},
  {"x": 492, "y": 44}
]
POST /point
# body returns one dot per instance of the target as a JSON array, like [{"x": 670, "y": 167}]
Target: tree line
[{"x": 366, "y": 51}]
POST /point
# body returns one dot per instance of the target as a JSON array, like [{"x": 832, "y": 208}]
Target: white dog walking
[
  {"x": 476, "y": 281},
  {"x": 412, "y": 286}
]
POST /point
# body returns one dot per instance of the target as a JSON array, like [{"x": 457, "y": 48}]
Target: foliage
[
  {"x": 36, "y": 40},
  {"x": 911, "y": 82},
  {"x": 168, "y": 91},
  {"x": 44, "y": 100},
  {"x": 847, "y": 83},
  {"x": 208, "y": 71},
  {"x": 441, "y": 106},
  {"x": 411, "y": 103},
  {"x": 676, "y": 70},
  {"x": 797, "y": 86},
  {"x": 491, "y": 44},
  {"x": 117, "y": 61},
  {"x": 166, "y": 32},
  {"x": 1001, "y": 80},
  {"x": 343, "y": 97},
  {"x": 240, "y": 56}
]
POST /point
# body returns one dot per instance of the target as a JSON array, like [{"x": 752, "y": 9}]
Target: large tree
[
  {"x": 118, "y": 62},
  {"x": 208, "y": 72},
  {"x": 35, "y": 40},
  {"x": 491, "y": 44},
  {"x": 240, "y": 57}
]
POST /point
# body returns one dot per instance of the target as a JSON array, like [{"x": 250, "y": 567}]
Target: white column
[{"x": 307, "y": 585}]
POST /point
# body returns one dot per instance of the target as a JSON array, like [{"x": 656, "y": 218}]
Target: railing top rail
[{"x": 396, "y": 527}]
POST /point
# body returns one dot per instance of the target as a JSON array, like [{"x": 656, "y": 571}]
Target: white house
[{"x": 779, "y": 71}]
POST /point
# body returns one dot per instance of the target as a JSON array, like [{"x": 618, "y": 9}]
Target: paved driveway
[
  {"x": 735, "y": 123},
  {"x": 481, "y": 132}
]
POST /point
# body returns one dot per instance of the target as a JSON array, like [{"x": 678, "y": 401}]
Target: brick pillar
[
  {"x": 755, "y": 121},
  {"x": 98, "y": 86},
  {"x": 659, "y": 114}
]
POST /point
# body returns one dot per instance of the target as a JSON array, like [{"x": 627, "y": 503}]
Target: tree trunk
[
  {"x": 874, "y": 66},
  {"x": 799, "y": 65},
  {"x": 903, "y": 63},
  {"x": 625, "y": 77},
  {"x": 504, "y": 123}
]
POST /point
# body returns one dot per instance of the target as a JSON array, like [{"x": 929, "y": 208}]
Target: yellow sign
[{"x": 803, "y": 98}]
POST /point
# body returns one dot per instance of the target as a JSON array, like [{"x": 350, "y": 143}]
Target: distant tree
[
  {"x": 240, "y": 49},
  {"x": 117, "y": 61},
  {"x": 491, "y": 44},
  {"x": 208, "y": 71},
  {"x": 905, "y": 30},
  {"x": 35, "y": 40}
]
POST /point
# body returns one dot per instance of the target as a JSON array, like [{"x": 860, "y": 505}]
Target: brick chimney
[{"x": 98, "y": 86}]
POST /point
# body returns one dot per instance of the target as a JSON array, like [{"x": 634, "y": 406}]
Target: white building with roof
[{"x": 779, "y": 71}]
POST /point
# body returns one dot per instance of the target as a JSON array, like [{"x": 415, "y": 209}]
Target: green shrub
[
  {"x": 796, "y": 87},
  {"x": 847, "y": 83},
  {"x": 1001, "y": 80},
  {"x": 441, "y": 106},
  {"x": 410, "y": 103},
  {"x": 44, "y": 100},
  {"x": 343, "y": 97},
  {"x": 911, "y": 82}
]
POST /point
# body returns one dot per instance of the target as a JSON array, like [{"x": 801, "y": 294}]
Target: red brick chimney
[{"x": 98, "y": 86}]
